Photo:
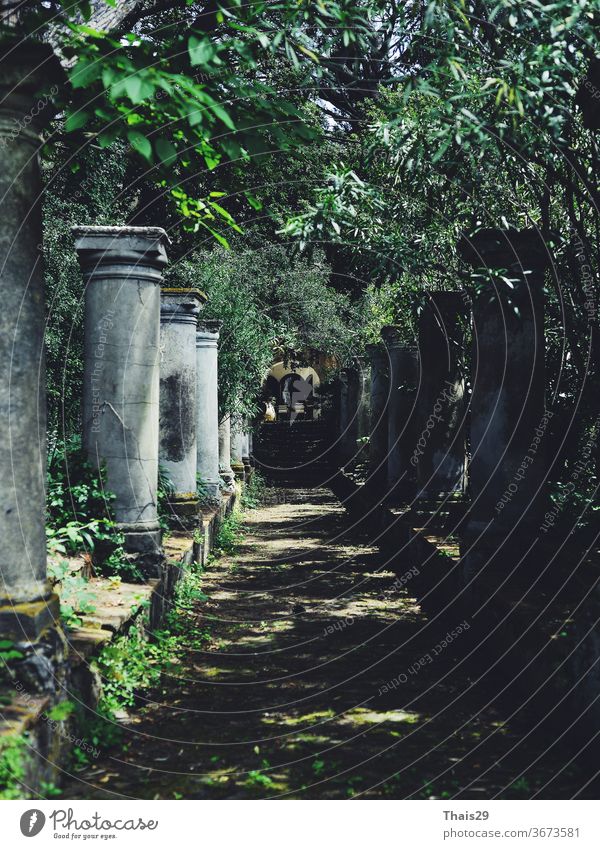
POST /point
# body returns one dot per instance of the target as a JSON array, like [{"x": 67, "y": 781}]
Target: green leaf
[
  {"x": 85, "y": 72},
  {"x": 138, "y": 88},
  {"x": 76, "y": 120},
  {"x": 167, "y": 152},
  {"x": 223, "y": 115},
  {"x": 201, "y": 51},
  {"x": 61, "y": 711},
  {"x": 140, "y": 143}
]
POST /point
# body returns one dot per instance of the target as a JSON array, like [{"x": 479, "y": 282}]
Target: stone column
[
  {"x": 508, "y": 416},
  {"x": 27, "y": 605},
  {"x": 225, "y": 470},
  {"x": 246, "y": 451},
  {"x": 179, "y": 310},
  {"x": 122, "y": 269},
  {"x": 404, "y": 378},
  {"x": 440, "y": 450},
  {"x": 378, "y": 424},
  {"x": 348, "y": 415},
  {"x": 363, "y": 413},
  {"x": 237, "y": 448},
  {"x": 207, "y": 340}
]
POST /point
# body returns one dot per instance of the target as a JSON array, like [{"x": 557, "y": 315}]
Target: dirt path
[{"x": 289, "y": 697}]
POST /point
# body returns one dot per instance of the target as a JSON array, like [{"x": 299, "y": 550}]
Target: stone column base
[
  {"x": 28, "y": 619},
  {"x": 212, "y": 492},
  {"x": 34, "y": 629},
  {"x": 228, "y": 484},
  {"x": 239, "y": 471},
  {"x": 183, "y": 511},
  {"x": 143, "y": 547}
]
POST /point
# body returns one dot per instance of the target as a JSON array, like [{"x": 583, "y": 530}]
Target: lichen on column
[
  {"x": 179, "y": 313},
  {"x": 29, "y": 74}
]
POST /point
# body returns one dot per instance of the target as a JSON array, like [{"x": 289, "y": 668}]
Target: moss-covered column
[
  {"x": 122, "y": 269},
  {"x": 207, "y": 412},
  {"x": 27, "y": 606},
  {"x": 179, "y": 311},
  {"x": 225, "y": 470},
  {"x": 440, "y": 450},
  {"x": 508, "y": 416},
  {"x": 378, "y": 423},
  {"x": 404, "y": 378}
]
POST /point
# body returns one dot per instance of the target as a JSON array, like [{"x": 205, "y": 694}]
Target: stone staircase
[{"x": 295, "y": 454}]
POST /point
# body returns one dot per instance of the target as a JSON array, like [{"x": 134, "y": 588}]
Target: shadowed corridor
[{"x": 291, "y": 694}]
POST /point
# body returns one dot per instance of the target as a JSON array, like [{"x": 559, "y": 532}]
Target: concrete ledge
[{"x": 117, "y": 606}]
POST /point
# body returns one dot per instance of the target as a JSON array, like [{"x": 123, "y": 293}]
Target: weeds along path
[{"x": 298, "y": 671}]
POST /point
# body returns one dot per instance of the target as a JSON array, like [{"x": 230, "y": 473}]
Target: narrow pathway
[{"x": 289, "y": 696}]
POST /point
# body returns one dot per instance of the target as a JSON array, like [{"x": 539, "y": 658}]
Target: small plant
[
  {"x": 13, "y": 763},
  {"x": 229, "y": 535},
  {"x": 79, "y": 512},
  {"x": 75, "y": 595},
  {"x": 257, "y": 778},
  {"x": 254, "y": 492}
]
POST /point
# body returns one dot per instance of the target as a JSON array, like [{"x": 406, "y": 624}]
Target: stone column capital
[
  {"x": 392, "y": 339},
  {"x": 181, "y": 306},
  {"x": 516, "y": 250},
  {"x": 30, "y": 74},
  {"x": 123, "y": 253},
  {"x": 207, "y": 332}
]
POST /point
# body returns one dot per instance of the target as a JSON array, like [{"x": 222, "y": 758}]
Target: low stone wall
[{"x": 35, "y": 742}]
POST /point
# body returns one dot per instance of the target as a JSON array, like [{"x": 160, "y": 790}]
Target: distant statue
[{"x": 270, "y": 414}]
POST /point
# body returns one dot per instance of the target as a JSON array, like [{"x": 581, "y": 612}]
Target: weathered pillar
[
  {"x": 27, "y": 606},
  {"x": 246, "y": 451},
  {"x": 179, "y": 310},
  {"x": 508, "y": 416},
  {"x": 251, "y": 448},
  {"x": 378, "y": 424},
  {"x": 404, "y": 378},
  {"x": 237, "y": 448},
  {"x": 225, "y": 470},
  {"x": 363, "y": 412},
  {"x": 207, "y": 341},
  {"x": 349, "y": 391},
  {"x": 122, "y": 269},
  {"x": 440, "y": 450}
]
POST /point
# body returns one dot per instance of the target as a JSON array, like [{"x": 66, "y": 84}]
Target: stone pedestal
[
  {"x": 225, "y": 470},
  {"x": 122, "y": 269},
  {"x": 237, "y": 447},
  {"x": 440, "y": 450},
  {"x": 207, "y": 340},
  {"x": 27, "y": 605},
  {"x": 378, "y": 420},
  {"x": 508, "y": 417},
  {"x": 179, "y": 312},
  {"x": 404, "y": 377}
]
